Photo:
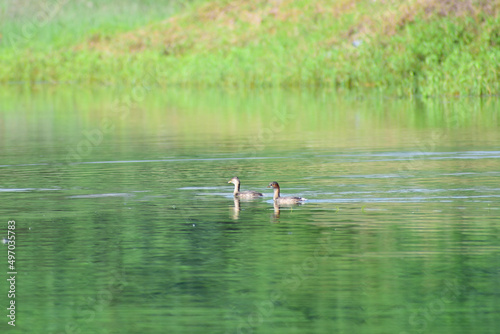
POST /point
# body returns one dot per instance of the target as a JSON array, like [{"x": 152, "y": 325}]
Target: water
[{"x": 126, "y": 224}]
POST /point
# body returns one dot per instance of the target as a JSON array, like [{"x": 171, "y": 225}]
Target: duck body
[
  {"x": 283, "y": 200},
  {"x": 248, "y": 194},
  {"x": 243, "y": 194}
]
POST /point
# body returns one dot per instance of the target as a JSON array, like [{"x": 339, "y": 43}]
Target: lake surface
[{"x": 125, "y": 222}]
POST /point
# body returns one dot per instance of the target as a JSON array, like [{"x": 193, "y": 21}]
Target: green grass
[
  {"x": 48, "y": 26},
  {"x": 425, "y": 47}
]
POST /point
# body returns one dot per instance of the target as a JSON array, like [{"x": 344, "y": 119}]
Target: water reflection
[
  {"x": 236, "y": 209},
  {"x": 399, "y": 233},
  {"x": 276, "y": 211}
]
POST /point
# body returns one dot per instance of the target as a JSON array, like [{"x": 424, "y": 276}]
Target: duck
[
  {"x": 242, "y": 194},
  {"x": 283, "y": 200}
]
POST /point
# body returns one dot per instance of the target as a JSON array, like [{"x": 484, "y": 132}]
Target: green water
[{"x": 125, "y": 222}]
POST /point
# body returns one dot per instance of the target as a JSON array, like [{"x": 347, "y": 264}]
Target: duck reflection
[
  {"x": 277, "y": 209},
  {"x": 236, "y": 209},
  {"x": 276, "y": 214}
]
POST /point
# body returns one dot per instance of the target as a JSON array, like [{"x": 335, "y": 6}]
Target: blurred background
[{"x": 121, "y": 124}]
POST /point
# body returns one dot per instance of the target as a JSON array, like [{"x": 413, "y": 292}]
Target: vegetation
[{"x": 427, "y": 47}]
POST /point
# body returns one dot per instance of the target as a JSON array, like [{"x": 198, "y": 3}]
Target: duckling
[
  {"x": 283, "y": 200},
  {"x": 243, "y": 194}
]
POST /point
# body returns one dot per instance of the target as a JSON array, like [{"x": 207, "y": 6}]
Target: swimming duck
[
  {"x": 242, "y": 194},
  {"x": 283, "y": 200}
]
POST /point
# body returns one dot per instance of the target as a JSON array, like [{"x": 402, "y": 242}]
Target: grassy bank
[{"x": 427, "y": 47}]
